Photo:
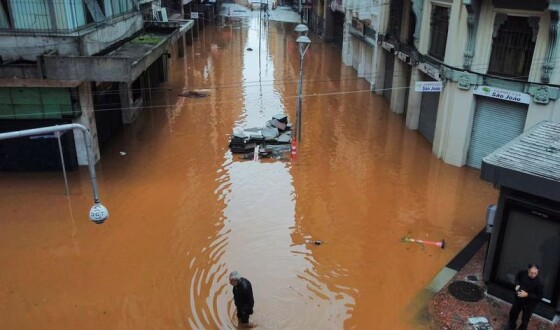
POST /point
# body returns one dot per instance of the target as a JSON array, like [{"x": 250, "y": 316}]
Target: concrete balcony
[{"x": 122, "y": 62}]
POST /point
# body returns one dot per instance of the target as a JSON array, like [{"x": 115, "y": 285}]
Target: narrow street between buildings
[{"x": 185, "y": 211}]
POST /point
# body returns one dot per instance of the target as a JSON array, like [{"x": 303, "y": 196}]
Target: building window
[
  {"x": 39, "y": 103},
  {"x": 42, "y": 15},
  {"x": 512, "y": 49},
  {"x": 411, "y": 29},
  {"x": 395, "y": 19},
  {"x": 438, "y": 32},
  {"x": 121, "y": 6}
]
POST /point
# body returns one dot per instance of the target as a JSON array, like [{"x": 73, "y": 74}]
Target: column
[
  {"x": 87, "y": 119},
  {"x": 454, "y": 127},
  {"x": 379, "y": 70},
  {"x": 414, "y": 100},
  {"x": 129, "y": 112},
  {"x": 400, "y": 83}
]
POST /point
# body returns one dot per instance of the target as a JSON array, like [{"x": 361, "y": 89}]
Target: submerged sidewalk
[{"x": 448, "y": 312}]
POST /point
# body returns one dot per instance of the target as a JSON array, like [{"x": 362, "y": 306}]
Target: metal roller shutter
[
  {"x": 428, "y": 115},
  {"x": 495, "y": 124},
  {"x": 389, "y": 71}
]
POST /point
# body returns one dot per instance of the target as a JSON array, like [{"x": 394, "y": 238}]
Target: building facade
[
  {"x": 526, "y": 225},
  {"x": 326, "y": 18},
  {"x": 90, "y": 62},
  {"x": 469, "y": 75}
]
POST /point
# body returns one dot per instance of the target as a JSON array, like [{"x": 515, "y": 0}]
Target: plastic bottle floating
[{"x": 408, "y": 239}]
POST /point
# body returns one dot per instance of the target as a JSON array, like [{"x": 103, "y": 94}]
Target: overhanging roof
[
  {"x": 123, "y": 64},
  {"x": 529, "y": 163}
]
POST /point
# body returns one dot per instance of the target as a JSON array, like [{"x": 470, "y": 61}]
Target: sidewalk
[{"x": 448, "y": 312}]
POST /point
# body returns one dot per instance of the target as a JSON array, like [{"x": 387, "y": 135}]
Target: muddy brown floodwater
[{"x": 184, "y": 211}]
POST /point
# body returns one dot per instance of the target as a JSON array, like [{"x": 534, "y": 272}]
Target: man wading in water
[{"x": 243, "y": 297}]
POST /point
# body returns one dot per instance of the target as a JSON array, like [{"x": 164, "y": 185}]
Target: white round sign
[{"x": 98, "y": 213}]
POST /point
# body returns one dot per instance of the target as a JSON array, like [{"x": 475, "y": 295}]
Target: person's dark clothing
[
  {"x": 534, "y": 287},
  {"x": 243, "y": 297}
]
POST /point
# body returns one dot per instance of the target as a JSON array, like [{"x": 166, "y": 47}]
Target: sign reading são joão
[
  {"x": 428, "y": 86},
  {"x": 502, "y": 94}
]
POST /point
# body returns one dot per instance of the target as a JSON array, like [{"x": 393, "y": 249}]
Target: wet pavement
[
  {"x": 184, "y": 211},
  {"x": 450, "y": 312}
]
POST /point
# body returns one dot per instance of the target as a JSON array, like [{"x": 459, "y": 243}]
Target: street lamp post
[
  {"x": 98, "y": 212},
  {"x": 303, "y": 43},
  {"x": 301, "y": 29}
]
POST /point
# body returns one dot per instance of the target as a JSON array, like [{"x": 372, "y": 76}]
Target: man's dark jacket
[
  {"x": 534, "y": 287},
  {"x": 243, "y": 296}
]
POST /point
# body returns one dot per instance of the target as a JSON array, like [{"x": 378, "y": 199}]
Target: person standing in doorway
[
  {"x": 529, "y": 291},
  {"x": 243, "y": 298}
]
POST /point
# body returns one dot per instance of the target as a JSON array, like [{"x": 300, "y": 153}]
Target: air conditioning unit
[
  {"x": 161, "y": 14},
  {"x": 490, "y": 216}
]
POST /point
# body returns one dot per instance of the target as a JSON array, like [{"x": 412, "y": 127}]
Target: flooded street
[{"x": 184, "y": 211}]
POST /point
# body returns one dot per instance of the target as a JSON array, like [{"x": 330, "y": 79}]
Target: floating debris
[
  {"x": 272, "y": 140},
  {"x": 250, "y": 49},
  {"x": 407, "y": 239},
  {"x": 268, "y": 151},
  {"x": 196, "y": 93}
]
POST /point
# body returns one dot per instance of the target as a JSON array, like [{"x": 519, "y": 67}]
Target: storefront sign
[
  {"x": 502, "y": 94},
  {"x": 428, "y": 86},
  {"x": 403, "y": 57},
  {"x": 387, "y": 46},
  {"x": 194, "y": 15},
  {"x": 360, "y": 28},
  {"x": 429, "y": 70}
]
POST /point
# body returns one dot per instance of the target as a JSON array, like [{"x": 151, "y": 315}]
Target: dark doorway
[
  {"x": 338, "y": 30},
  {"x": 36, "y": 153},
  {"x": 108, "y": 112}
]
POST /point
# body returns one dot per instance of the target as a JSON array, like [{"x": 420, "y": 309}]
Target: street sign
[
  {"x": 387, "y": 46},
  {"x": 428, "y": 86},
  {"x": 429, "y": 70},
  {"x": 502, "y": 94}
]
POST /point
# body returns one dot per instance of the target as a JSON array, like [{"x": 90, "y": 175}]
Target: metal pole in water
[
  {"x": 98, "y": 212},
  {"x": 57, "y": 134}
]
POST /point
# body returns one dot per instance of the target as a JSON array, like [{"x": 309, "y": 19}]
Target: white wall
[{"x": 107, "y": 35}]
